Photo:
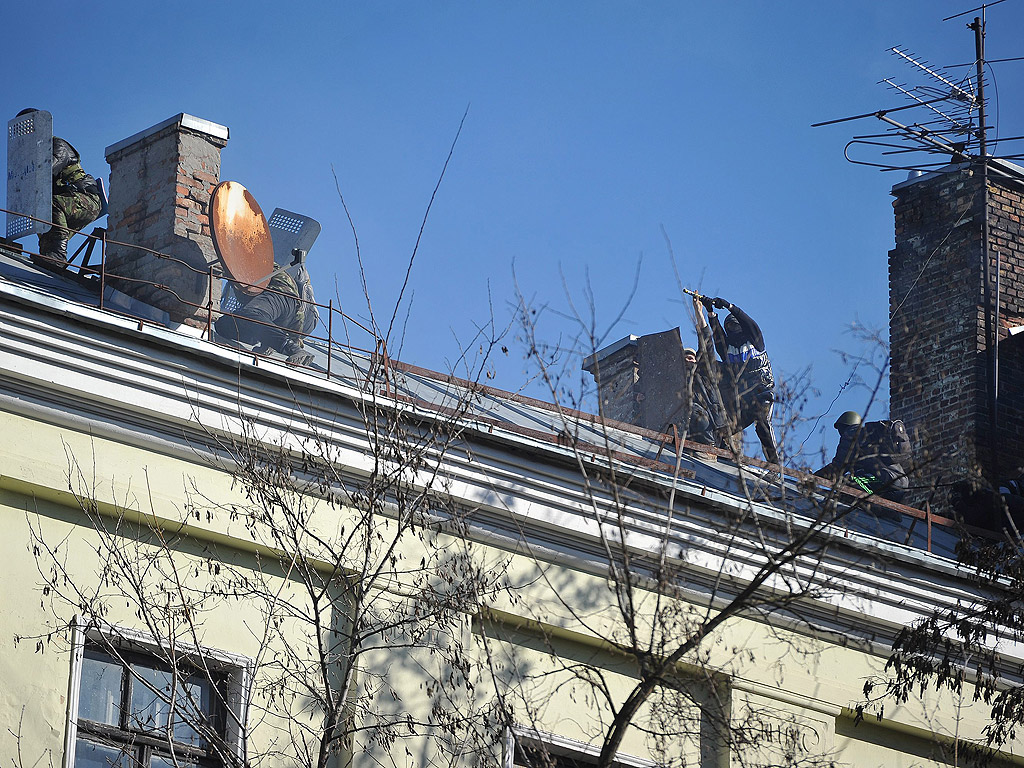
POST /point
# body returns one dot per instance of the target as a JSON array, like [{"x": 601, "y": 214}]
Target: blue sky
[{"x": 592, "y": 129}]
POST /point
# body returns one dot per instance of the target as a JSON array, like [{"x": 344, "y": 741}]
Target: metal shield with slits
[{"x": 29, "y": 181}]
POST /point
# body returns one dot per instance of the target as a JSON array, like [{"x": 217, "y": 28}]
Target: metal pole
[
  {"x": 209, "y": 306},
  {"x": 103, "y": 268},
  {"x": 991, "y": 309},
  {"x": 330, "y": 335}
]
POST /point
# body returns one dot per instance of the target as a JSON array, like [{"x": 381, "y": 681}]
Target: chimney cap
[
  {"x": 591, "y": 360},
  {"x": 182, "y": 120}
]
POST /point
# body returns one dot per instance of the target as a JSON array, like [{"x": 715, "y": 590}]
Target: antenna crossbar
[
  {"x": 921, "y": 102},
  {"x": 955, "y": 91},
  {"x": 923, "y": 135}
]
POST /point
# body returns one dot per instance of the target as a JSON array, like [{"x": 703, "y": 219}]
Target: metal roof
[{"x": 532, "y": 424}]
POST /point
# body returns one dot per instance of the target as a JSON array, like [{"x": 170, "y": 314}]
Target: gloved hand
[
  {"x": 720, "y": 303},
  {"x": 709, "y": 304}
]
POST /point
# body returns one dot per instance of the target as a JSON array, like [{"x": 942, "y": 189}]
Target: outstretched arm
[{"x": 704, "y": 335}]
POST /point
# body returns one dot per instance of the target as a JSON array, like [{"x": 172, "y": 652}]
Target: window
[
  {"x": 130, "y": 709},
  {"x": 530, "y": 748},
  {"x": 529, "y": 756},
  {"x": 133, "y": 711}
]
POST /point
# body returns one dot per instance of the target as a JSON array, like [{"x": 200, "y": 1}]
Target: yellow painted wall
[{"x": 804, "y": 683}]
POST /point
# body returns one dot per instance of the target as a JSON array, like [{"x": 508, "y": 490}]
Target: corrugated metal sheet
[{"x": 529, "y": 425}]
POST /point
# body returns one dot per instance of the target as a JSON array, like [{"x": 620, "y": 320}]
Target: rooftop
[{"x": 524, "y": 424}]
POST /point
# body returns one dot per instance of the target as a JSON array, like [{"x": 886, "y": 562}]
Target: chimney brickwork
[
  {"x": 160, "y": 185},
  {"x": 642, "y": 380},
  {"x": 938, "y": 380},
  {"x": 616, "y": 371},
  {"x": 1006, "y": 203}
]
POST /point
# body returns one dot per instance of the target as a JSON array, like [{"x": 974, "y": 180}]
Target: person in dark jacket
[
  {"x": 748, "y": 385},
  {"x": 977, "y": 503},
  {"x": 76, "y": 200},
  {"x": 867, "y": 457}
]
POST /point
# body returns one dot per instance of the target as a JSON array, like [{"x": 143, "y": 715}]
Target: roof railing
[
  {"x": 89, "y": 273},
  {"x": 92, "y": 274}
]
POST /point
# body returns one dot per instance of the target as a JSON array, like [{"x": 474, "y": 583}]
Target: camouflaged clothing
[
  {"x": 285, "y": 283},
  {"x": 72, "y": 209},
  {"x": 272, "y": 318}
]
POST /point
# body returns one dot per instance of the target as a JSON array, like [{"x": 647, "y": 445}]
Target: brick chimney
[
  {"x": 160, "y": 185},
  {"x": 941, "y": 363},
  {"x": 640, "y": 380}
]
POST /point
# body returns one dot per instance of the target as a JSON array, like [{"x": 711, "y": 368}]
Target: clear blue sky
[{"x": 592, "y": 126}]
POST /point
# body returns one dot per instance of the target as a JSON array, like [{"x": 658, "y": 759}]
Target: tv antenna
[{"x": 949, "y": 113}]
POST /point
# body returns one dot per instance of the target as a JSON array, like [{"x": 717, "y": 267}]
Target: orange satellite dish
[{"x": 241, "y": 237}]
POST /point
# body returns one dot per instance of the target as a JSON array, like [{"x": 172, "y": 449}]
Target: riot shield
[
  {"x": 29, "y": 177},
  {"x": 290, "y": 231}
]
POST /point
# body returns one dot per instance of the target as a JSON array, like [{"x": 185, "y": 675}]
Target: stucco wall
[{"x": 801, "y": 688}]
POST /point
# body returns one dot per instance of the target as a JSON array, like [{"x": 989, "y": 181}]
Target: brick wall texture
[
  {"x": 160, "y": 189},
  {"x": 938, "y": 381},
  {"x": 617, "y": 376}
]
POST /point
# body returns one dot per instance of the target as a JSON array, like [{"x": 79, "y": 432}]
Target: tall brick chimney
[
  {"x": 160, "y": 185},
  {"x": 941, "y": 365}
]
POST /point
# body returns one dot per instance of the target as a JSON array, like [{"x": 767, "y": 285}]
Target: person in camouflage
[
  {"x": 708, "y": 418},
  {"x": 76, "y": 200},
  {"x": 271, "y": 320}
]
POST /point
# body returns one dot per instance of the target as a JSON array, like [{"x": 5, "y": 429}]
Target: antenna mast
[{"x": 991, "y": 302}]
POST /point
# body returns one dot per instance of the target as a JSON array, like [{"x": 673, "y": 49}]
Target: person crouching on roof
[
  {"x": 271, "y": 321},
  {"x": 748, "y": 383},
  {"x": 700, "y": 427},
  {"x": 871, "y": 455}
]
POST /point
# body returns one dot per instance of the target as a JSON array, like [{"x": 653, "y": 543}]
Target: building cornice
[{"x": 148, "y": 386}]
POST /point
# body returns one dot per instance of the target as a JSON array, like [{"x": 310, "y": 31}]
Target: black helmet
[
  {"x": 63, "y": 155},
  {"x": 848, "y": 419}
]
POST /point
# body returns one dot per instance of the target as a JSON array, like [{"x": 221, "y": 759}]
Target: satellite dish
[{"x": 241, "y": 237}]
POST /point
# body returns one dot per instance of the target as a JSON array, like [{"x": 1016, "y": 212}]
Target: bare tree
[
  {"x": 350, "y": 585},
  {"x": 345, "y": 583},
  {"x": 657, "y": 669}
]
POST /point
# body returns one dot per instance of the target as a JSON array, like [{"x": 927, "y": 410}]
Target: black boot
[{"x": 53, "y": 248}]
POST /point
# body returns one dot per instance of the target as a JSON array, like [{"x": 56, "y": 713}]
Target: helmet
[
  {"x": 848, "y": 419},
  {"x": 63, "y": 155},
  {"x": 689, "y": 351}
]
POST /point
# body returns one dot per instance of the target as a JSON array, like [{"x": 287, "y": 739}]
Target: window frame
[
  {"x": 562, "y": 746},
  {"x": 233, "y": 670}
]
